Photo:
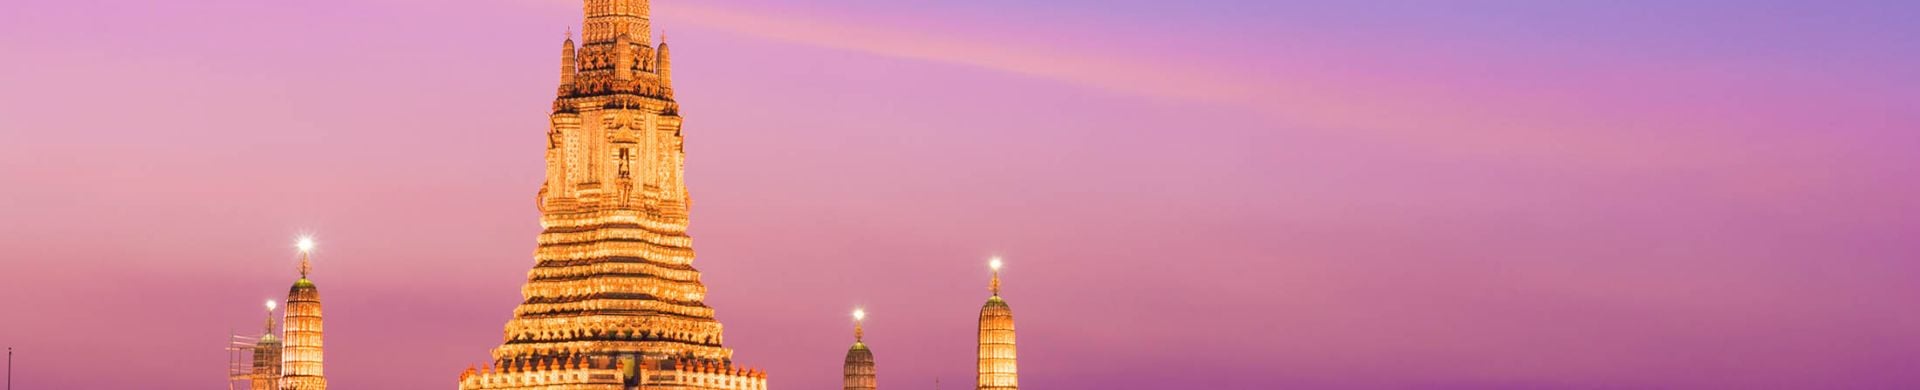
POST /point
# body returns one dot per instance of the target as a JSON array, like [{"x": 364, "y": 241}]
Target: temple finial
[
  {"x": 569, "y": 32},
  {"x": 859, "y": 317},
  {"x": 306, "y": 248},
  {"x": 995, "y": 285},
  {"x": 270, "y": 306}
]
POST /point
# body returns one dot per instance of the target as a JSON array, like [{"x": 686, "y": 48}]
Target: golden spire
[
  {"x": 997, "y": 370},
  {"x": 663, "y": 63},
  {"x": 858, "y": 373},
  {"x": 306, "y": 246},
  {"x": 858, "y": 317},
  {"x": 301, "y": 355},
  {"x": 995, "y": 285},
  {"x": 265, "y": 373}
]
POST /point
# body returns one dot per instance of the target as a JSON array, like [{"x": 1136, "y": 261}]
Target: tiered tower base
[{"x": 603, "y": 373}]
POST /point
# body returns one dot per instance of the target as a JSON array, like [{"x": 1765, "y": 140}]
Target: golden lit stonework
[
  {"x": 266, "y": 358},
  {"x": 301, "y": 363},
  {"x": 859, "y": 369},
  {"x": 613, "y": 300},
  {"x": 997, "y": 369}
]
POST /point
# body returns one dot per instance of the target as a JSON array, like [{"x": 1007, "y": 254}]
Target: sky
[{"x": 1188, "y": 194}]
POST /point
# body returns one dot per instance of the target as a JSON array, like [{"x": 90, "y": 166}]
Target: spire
[
  {"x": 301, "y": 355},
  {"x": 270, "y": 306},
  {"x": 995, "y": 285},
  {"x": 306, "y": 246},
  {"x": 859, "y": 369},
  {"x": 569, "y": 65},
  {"x": 997, "y": 370},
  {"x": 306, "y": 266},
  {"x": 664, "y": 61},
  {"x": 858, "y": 317},
  {"x": 265, "y": 373}
]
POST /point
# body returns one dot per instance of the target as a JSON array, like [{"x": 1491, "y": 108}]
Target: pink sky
[{"x": 1230, "y": 194}]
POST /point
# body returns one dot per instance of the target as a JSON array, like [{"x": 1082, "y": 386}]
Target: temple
[
  {"x": 997, "y": 369},
  {"x": 613, "y": 301},
  {"x": 859, "y": 369},
  {"x": 301, "y": 363}
]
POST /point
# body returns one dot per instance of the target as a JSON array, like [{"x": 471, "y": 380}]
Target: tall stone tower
[
  {"x": 613, "y": 300},
  {"x": 997, "y": 368},
  {"x": 266, "y": 358},
  {"x": 301, "y": 365},
  {"x": 859, "y": 368}
]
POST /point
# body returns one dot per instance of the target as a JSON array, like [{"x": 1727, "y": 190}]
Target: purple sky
[{"x": 1218, "y": 194}]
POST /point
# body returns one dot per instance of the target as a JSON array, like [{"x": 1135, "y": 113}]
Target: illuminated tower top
[
  {"x": 607, "y": 19},
  {"x": 300, "y": 357},
  {"x": 997, "y": 370},
  {"x": 268, "y": 336},
  {"x": 266, "y": 357},
  {"x": 859, "y": 366},
  {"x": 994, "y": 285},
  {"x": 306, "y": 265}
]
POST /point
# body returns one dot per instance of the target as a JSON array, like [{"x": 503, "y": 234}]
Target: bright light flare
[
  {"x": 305, "y": 244},
  {"x": 859, "y": 314},
  {"x": 271, "y": 304},
  {"x": 995, "y": 263}
]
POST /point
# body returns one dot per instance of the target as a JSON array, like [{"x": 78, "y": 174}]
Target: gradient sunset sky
[{"x": 1189, "y": 194}]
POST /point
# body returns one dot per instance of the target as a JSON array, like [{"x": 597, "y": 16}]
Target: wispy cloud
[
  {"x": 1410, "y": 109},
  {"x": 1132, "y": 75}
]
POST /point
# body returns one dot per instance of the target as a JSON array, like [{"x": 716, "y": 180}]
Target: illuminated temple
[
  {"x": 613, "y": 301},
  {"x": 291, "y": 360}
]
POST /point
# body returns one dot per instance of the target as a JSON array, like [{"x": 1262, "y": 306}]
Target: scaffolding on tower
[
  {"x": 253, "y": 363},
  {"x": 240, "y": 361}
]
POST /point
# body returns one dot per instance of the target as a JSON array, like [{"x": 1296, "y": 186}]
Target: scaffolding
[
  {"x": 240, "y": 361},
  {"x": 242, "y": 354}
]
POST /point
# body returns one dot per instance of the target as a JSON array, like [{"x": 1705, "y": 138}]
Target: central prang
[{"x": 613, "y": 301}]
